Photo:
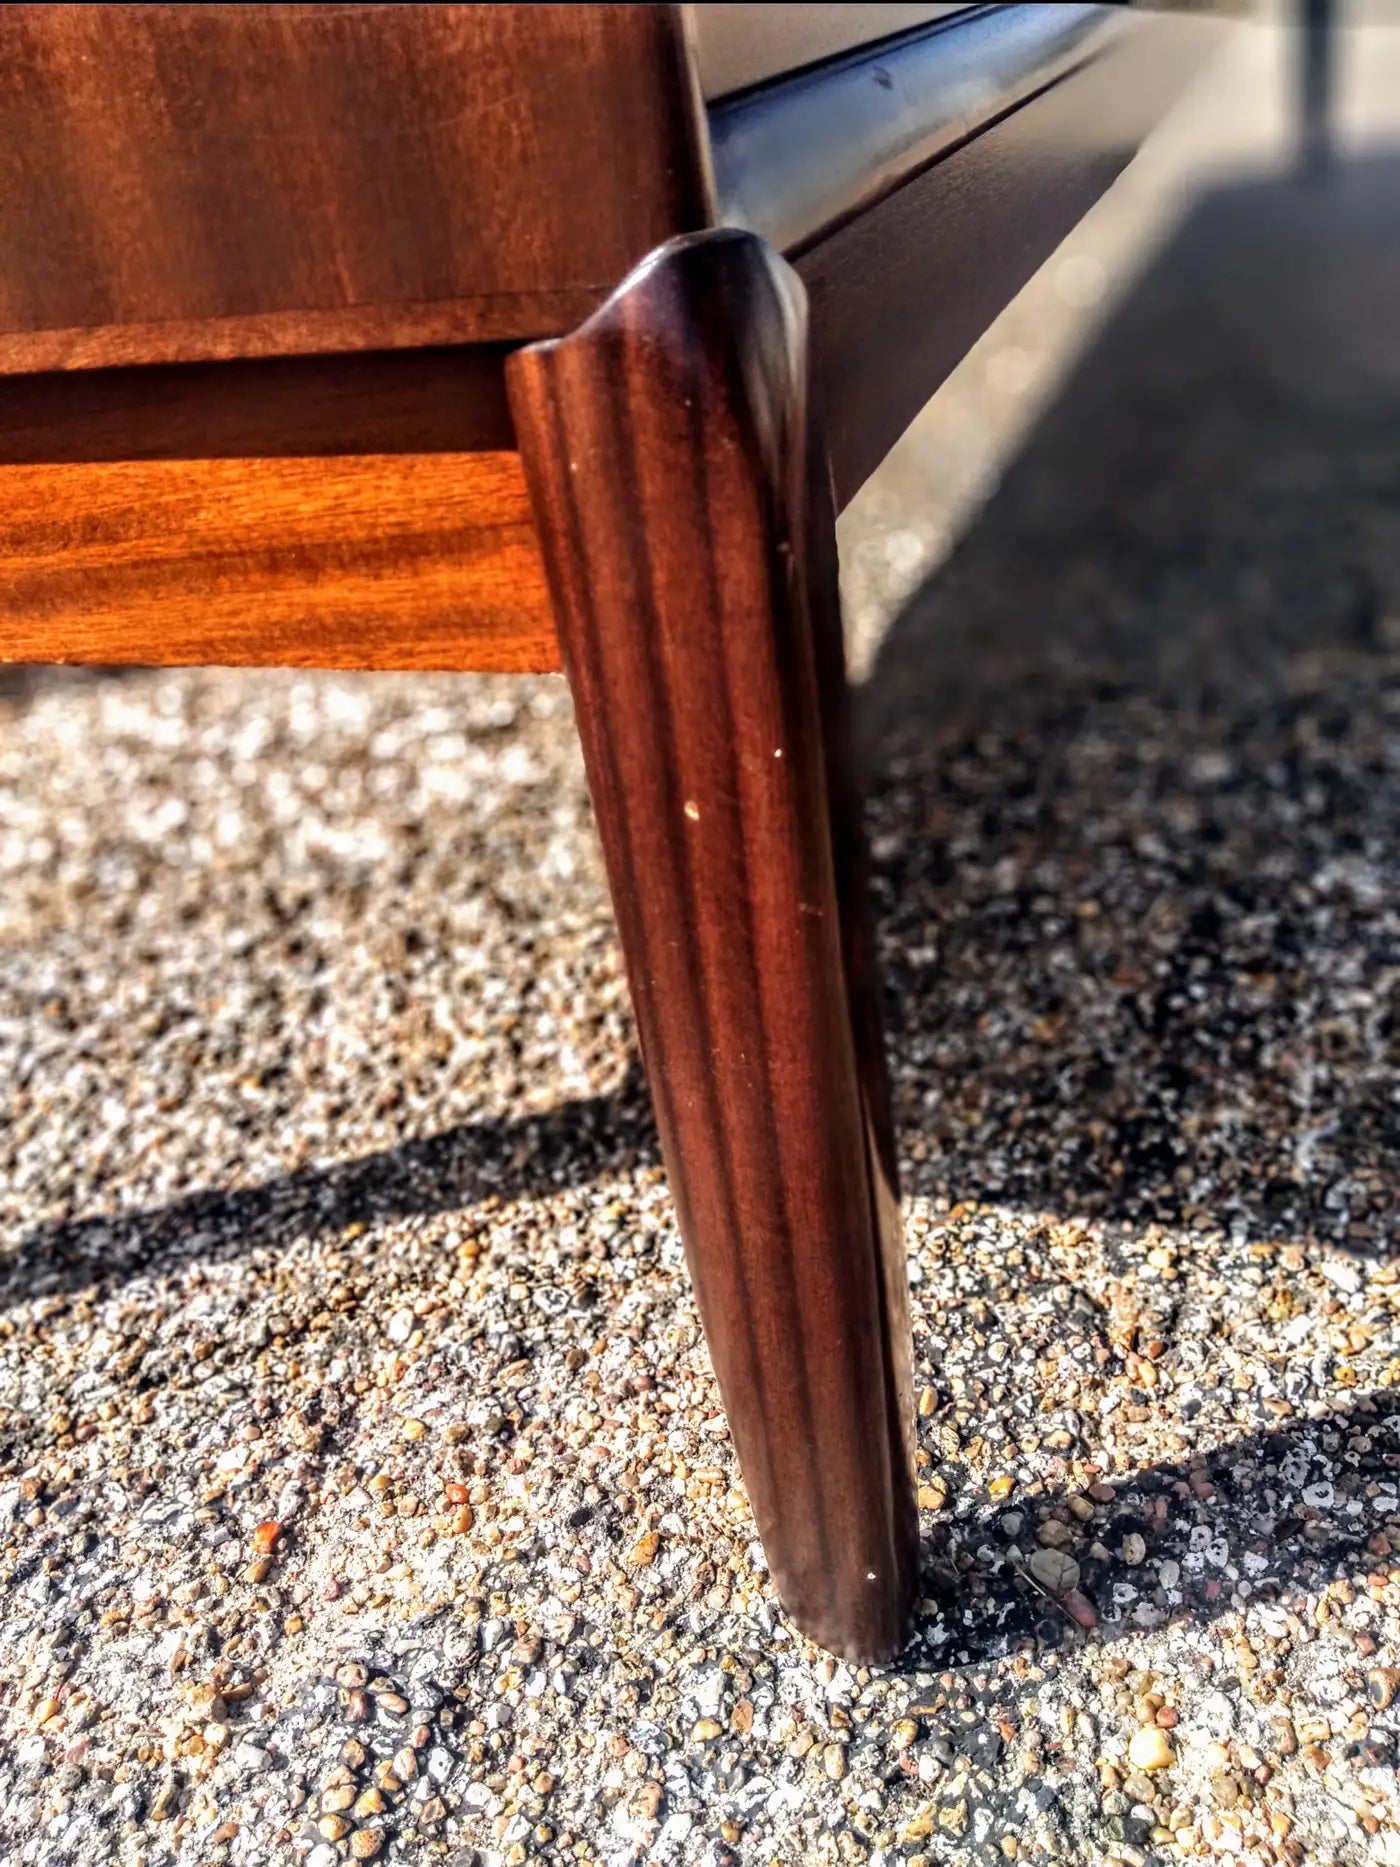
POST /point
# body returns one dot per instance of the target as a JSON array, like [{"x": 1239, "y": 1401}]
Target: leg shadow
[{"x": 1134, "y": 759}]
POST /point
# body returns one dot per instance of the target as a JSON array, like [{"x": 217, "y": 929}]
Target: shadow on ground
[
  {"x": 1208, "y": 1523},
  {"x": 586, "y": 1139},
  {"x": 1135, "y": 758}
]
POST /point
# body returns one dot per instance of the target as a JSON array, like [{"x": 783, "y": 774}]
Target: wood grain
[
  {"x": 375, "y": 561},
  {"x": 690, "y": 556},
  {"x": 184, "y": 181},
  {"x": 901, "y": 293}
]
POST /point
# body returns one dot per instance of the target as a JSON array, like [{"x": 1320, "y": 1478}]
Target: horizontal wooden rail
[
  {"x": 738, "y": 47},
  {"x": 795, "y": 159},
  {"x": 449, "y": 400},
  {"x": 902, "y": 289},
  {"x": 368, "y": 561}
]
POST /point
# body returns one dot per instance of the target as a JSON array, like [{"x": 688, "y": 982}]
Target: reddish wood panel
[
  {"x": 689, "y": 550},
  {"x": 378, "y": 561},
  {"x": 180, "y": 181}
]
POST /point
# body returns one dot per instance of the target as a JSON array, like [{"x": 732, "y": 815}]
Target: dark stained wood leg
[{"x": 687, "y": 531}]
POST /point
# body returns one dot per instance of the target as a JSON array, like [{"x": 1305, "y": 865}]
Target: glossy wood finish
[
  {"x": 352, "y": 561},
  {"x": 740, "y": 46},
  {"x": 795, "y": 160},
  {"x": 900, "y": 293},
  {"x": 687, "y": 536},
  {"x": 183, "y": 181}
]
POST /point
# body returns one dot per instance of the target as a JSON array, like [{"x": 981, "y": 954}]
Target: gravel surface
[{"x": 364, "y": 1492}]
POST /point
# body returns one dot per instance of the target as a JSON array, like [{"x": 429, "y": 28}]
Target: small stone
[
  {"x": 834, "y": 1758},
  {"x": 353, "y": 1754},
  {"x": 1053, "y": 1534},
  {"x": 932, "y": 1496},
  {"x": 207, "y": 1701},
  {"x": 1150, "y": 1749},
  {"x": 1382, "y": 1683},
  {"x": 413, "y": 1429},
  {"x": 405, "y": 1763},
  {"x": 369, "y": 1802},
  {"x": 332, "y": 1828},
  {"x": 643, "y": 1552},
  {"x": 336, "y": 1801},
  {"x": 741, "y": 1718},
  {"x": 352, "y": 1676},
  {"x": 706, "y": 1730},
  {"x": 1080, "y": 1507},
  {"x": 163, "y": 1805},
  {"x": 928, "y": 1403},
  {"x": 953, "y": 1818},
  {"x": 904, "y": 1734},
  {"x": 647, "y": 1800},
  {"x": 1056, "y": 1572},
  {"x": 1001, "y": 1486},
  {"x": 322, "y": 1855},
  {"x": 1134, "y": 1549},
  {"x": 391, "y": 1704},
  {"x": 267, "y": 1536},
  {"x": 365, "y": 1843},
  {"x": 1079, "y": 1608}
]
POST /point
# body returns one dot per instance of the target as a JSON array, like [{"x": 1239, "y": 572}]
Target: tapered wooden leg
[{"x": 688, "y": 538}]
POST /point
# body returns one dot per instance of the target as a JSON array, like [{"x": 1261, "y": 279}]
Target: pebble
[
  {"x": 1055, "y": 1571},
  {"x": 643, "y": 1552},
  {"x": 1150, "y": 1749}
]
